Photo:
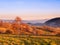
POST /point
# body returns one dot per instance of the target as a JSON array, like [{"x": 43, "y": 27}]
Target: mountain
[
  {"x": 35, "y": 21},
  {"x": 53, "y": 22},
  {"x": 30, "y": 22}
]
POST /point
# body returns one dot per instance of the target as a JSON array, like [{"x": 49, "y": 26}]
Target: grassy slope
[{"x": 6, "y": 39}]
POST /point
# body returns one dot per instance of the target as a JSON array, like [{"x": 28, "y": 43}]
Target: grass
[{"x": 8, "y": 39}]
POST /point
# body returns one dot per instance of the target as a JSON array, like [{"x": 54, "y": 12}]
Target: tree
[
  {"x": 7, "y": 25},
  {"x": 18, "y": 19},
  {"x": 8, "y": 32},
  {"x": 1, "y": 22}
]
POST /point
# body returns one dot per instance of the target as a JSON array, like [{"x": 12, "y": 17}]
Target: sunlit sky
[{"x": 29, "y": 9}]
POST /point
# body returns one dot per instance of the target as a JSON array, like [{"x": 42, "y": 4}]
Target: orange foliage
[
  {"x": 1, "y": 22},
  {"x": 18, "y": 19},
  {"x": 17, "y": 27}
]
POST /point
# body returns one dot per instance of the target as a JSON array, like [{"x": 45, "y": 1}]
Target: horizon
[
  {"x": 29, "y": 9},
  {"x": 29, "y": 20}
]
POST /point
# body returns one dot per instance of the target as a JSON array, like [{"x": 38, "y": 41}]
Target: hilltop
[{"x": 53, "y": 22}]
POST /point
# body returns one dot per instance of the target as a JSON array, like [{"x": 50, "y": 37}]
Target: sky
[{"x": 29, "y": 9}]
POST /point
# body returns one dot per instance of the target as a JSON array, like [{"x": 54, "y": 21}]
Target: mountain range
[{"x": 49, "y": 22}]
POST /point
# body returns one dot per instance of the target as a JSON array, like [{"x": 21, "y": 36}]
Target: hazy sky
[{"x": 29, "y": 9}]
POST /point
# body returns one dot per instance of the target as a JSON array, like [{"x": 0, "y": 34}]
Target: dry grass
[{"x": 6, "y": 39}]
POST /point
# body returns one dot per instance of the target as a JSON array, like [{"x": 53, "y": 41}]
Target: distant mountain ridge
[
  {"x": 53, "y": 22},
  {"x": 28, "y": 21}
]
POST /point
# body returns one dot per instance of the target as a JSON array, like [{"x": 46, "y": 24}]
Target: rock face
[{"x": 53, "y": 22}]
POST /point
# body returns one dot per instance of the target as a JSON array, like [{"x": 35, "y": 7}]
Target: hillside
[
  {"x": 53, "y": 22},
  {"x": 19, "y": 27},
  {"x": 8, "y": 39}
]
